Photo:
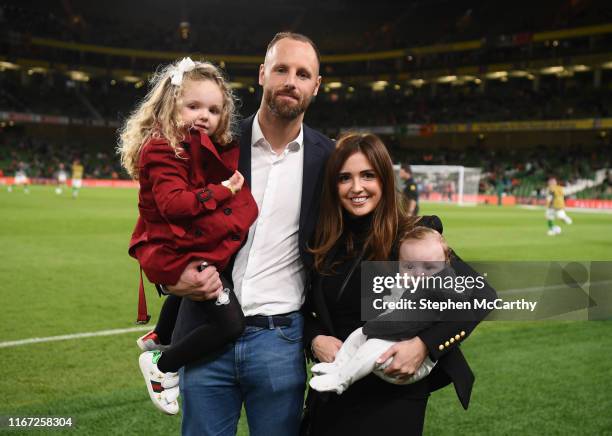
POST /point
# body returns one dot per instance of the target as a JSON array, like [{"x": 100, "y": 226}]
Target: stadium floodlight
[
  {"x": 518, "y": 73},
  {"x": 447, "y": 183},
  {"x": 580, "y": 68},
  {"x": 37, "y": 70},
  {"x": 379, "y": 85},
  {"x": 78, "y": 76},
  {"x": 556, "y": 69},
  {"x": 494, "y": 75},
  {"x": 131, "y": 79},
  {"x": 5, "y": 65},
  {"x": 446, "y": 79}
]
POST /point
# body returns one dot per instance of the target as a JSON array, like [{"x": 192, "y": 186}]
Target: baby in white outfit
[{"x": 422, "y": 252}]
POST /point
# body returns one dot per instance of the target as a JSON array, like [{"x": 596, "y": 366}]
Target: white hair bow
[{"x": 185, "y": 65}]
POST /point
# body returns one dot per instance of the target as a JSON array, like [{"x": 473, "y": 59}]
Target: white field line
[
  {"x": 501, "y": 293},
  {"x": 534, "y": 289},
  {"x": 570, "y": 209},
  {"x": 73, "y": 336},
  {"x": 523, "y": 206}
]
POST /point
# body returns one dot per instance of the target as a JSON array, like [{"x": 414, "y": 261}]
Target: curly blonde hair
[{"x": 157, "y": 114}]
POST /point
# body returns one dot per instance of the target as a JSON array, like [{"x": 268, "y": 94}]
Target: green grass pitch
[{"x": 64, "y": 269}]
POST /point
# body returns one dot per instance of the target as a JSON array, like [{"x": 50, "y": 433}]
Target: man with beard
[{"x": 282, "y": 161}]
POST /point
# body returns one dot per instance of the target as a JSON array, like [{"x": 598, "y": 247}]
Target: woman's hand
[
  {"x": 325, "y": 348},
  {"x": 407, "y": 357}
]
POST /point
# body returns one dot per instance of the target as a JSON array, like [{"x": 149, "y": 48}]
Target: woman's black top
[{"x": 345, "y": 309}]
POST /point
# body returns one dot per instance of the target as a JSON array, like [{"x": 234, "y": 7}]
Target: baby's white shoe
[
  {"x": 328, "y": 383},
  {"x": 324, "y": 368}
]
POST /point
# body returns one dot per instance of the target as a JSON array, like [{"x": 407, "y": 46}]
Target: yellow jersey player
[
  {"x": 77, "y": 177},
  {"x": 555, "y": 207}
]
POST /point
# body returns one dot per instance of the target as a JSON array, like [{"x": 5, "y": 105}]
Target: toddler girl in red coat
[{"x": 192, "y": 207}]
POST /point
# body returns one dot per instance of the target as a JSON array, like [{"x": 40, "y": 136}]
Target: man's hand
[
  {"x": 407, "y": 357},
  {"x": 325, "y": 348},
  {"x": 197, "y": 285}
]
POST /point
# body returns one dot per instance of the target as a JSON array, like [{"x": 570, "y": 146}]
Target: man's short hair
[
  {"x": 295, "y": 37},
  {"x": 407, "y": 168}
]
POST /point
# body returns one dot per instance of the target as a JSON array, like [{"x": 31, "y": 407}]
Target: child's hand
[{"x": 235, "y": 182}]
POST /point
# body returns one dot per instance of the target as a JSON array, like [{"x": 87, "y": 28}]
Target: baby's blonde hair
[
  {"x": 157, "y": 115},
  {"x": 420, "y": 233}
]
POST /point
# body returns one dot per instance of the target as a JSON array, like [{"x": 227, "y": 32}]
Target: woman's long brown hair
[{"x": 387, "y": 215}]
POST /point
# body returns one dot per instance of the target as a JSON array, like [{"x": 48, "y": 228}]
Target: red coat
[{"x": 185, "y": 212}]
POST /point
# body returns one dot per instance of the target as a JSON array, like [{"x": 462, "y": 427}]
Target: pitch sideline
[{"x": 73, "y": 336}]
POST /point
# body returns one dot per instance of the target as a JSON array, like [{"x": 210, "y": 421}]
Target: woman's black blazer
[{"x": 443, "y": 339}]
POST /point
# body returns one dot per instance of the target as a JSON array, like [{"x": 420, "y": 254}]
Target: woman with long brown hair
[{"x": 360, "y": 219}]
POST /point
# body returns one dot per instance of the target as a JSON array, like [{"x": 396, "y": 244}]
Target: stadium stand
[
  {"x": 565, "y": 98},
  {"x": 395, "y": 69}
]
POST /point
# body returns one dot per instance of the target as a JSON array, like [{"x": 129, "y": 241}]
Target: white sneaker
[
  {"x": 551, "y": 232},
  {"x": 163, "y": 387}
]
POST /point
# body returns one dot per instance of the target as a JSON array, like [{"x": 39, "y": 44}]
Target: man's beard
[{"x": 284, "y": 109}]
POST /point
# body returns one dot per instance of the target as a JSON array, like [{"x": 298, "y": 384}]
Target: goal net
[{"x": 447, "y": 183}]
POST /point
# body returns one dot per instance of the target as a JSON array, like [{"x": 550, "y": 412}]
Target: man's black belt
[{"x": 268, "y": 322}]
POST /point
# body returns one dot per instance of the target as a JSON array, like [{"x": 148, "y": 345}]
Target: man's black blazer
[{"x": 317, "y": 148}]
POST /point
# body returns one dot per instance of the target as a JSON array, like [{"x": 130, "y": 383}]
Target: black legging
[
  {"x": 167, "y": 318},
  {"x": 224, "y": 324}
]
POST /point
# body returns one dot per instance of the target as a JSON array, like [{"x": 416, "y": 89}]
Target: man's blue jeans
[{"x": 265, "y": 369}]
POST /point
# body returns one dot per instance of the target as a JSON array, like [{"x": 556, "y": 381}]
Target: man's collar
[{"x": 257, "y": 135}]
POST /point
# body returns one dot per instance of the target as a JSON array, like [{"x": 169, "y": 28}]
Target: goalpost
[{"x": 447, "y": 183}]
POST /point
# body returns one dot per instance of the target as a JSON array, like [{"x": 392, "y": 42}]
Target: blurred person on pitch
[
  {"x": 282, "y": 160},
  {"x": 62, "y": 178},
  {"x": 411, "y": 190},
  {"x": 77, "y": 177},
  {"x": 21, "y": 178},
  {"x": 193, "y": 210},
  {"x": 555, "y": 207}
]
